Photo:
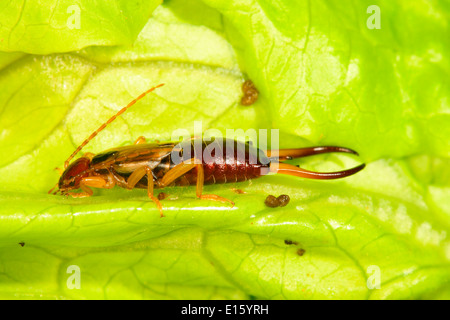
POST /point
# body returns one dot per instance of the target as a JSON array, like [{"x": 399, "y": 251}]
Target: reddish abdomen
[{"x": 227, "y": 161}]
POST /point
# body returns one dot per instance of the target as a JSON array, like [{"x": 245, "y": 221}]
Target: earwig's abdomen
[{"x": 227, "y": 161}]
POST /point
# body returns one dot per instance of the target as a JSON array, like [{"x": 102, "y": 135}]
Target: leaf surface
[{"x": 323, "y": 77}]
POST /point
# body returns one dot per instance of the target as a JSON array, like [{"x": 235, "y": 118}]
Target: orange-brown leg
[
  {"x": 183, "y": 168},
  {"x": 199, "y": 190},
  {"x": 89, "y": 155},
  {"x": 150, "y": 191},
  {"x": 137, "y": 175},
  {"x": 95, "y": 182},
  {"x": 177, "y": 172},
  {"x": 140, "y": 140}
]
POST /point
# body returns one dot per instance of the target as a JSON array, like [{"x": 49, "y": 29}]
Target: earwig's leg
[
  {"x": 200, "y": 181},
  {"x": 140, "y": 140},
  {"x": 134, "y": 178},
  {"x": 150, "y": 191},
  {"x": 185, "y": 167},
  {"x": 289, "y": 169},
  {"x": 288, "y": 154},
  {"x": 89, "y": 155},
  {"x": 137, "y": 175},
  {"x": 95, "y": 182},
  {"x": 177, "y": 172}
]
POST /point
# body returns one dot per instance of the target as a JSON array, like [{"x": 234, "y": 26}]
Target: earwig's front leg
[
  {"x": 140, "y": 140},
  {"x": 93, "y": 181},
  {"x": 137, "y": 175}
]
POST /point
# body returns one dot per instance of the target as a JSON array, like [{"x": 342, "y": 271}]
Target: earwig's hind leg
[
  {"x": 289, "y": 169},
  {"x": 140, "y": 140},
  {"x": 184, "y": 167},
  {"x": 199, "y": 190},
  {"x": 137, "y": 175},
  {"x": 288, "y": 154},
  {"x": 95, "y": 182}
]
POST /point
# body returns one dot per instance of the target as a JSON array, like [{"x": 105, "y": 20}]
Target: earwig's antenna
[
  {"x": 103, "y": 126},
  {"x": 51, "y": 190}
]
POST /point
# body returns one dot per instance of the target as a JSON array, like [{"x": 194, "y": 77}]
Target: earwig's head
[{"x": 71, "y": 177}]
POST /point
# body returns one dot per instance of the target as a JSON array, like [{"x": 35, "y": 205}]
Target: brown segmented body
[{"x": 123, "y": 161}]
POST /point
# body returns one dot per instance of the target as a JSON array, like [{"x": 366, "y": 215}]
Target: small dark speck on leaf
[
  {"x": 271, "y": 201},
  {"x": 301, "y": 252},
  {"x": 162, "y": 196},
  {"x": 289, "y": 242},
  {"x": 22, "y": 243},
  {"x": 283, "y": 200},
  {"x": 250, "y": 93}
]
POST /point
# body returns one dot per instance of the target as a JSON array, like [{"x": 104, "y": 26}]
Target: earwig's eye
[{"x": 75, "y": 169}]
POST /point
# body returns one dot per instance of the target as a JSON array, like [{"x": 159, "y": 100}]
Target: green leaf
[
  {"x": 323, "y": 78},
  {"x": 43, "y": 27},
  {"x": 331, "y": 80}
]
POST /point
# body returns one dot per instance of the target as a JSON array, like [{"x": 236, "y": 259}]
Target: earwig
[{"x": 150, "y": 165}]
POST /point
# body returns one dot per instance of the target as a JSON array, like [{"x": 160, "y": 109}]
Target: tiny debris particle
[
  {"x": 301, "y": 252},
  {"x": 238, "y": 191},
  {"x": 271, "y": 201},
  {"x": 283, "y": 200},
  {"x": 250, "y": 93},
  {"x": 22, "y": 243},
  {"x": 280, "y": 201},
  {"x": 289, "y": 242},
  {"x": 162, "y": 196}
]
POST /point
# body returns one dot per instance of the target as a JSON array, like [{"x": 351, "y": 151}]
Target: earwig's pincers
[{"x": 295, "y": 170}]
